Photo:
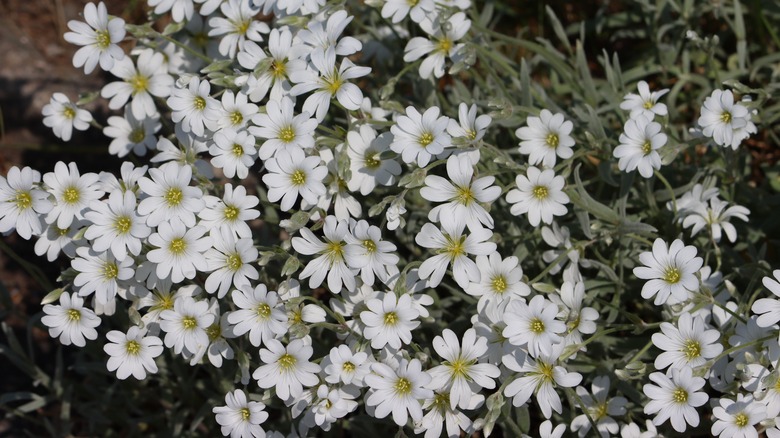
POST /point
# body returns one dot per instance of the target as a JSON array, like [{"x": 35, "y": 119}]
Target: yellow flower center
[
  {"x": 600, "y": 411},
  {"x": 133, "y": 347},
  {"x": 199, "y": 103},
  {"x": 540, "y": 192},
  {"x": 287, "y": 361},
  {"x": 412, "y": 3},
  {"x": 671, "y": 275},
  {"x": 102, "y": 39},
  {"x": 173, "y": 196},
  {"x": 471, "y": 134},
  {"x": 236, "y": 118},
  {"x": 459, "y": 368},
  {"x": 741, "y": 420},
  {"x": 287, "y": 134},
  {"x": 335, "y": 251},
  {"x": 74, "y": 314},
  {"x": 241, "y": 27},
  {"x": 425, "y": 139},
  {"x": 163, "y": 302},
  {"x": 245, "y": 414},
  {"x": 402, "y": 386},
  {"x": 348, "y": 367},
  {"x": 546, "y": 371},
  {"x": 464, "y": 195},
  {"x": 680, "y": 395},
  {"x": 234, "y": 262},
  {"x": 725, "y": 117},
  {"x": 371, "y": 161},
  {"x": 369, "y": 245},
  {"x": 139, "y": 83},
  {"x": 137, "y": 135},
  {"x": 692, "y": 349},
  {"x": 177, "y": 246},
  {"x": 278, "y": 69},
  {"x": 391, "y": 318},
  {"x": 498, "y": 284},
  {"x": 110, "y": 271},
  {"x": 537, "y": 326},
  {"x": 230, "y": 212},
  {"x": 333, "y": 84},
  {"x": 263, "y": 310},
  {"x": 189, "y": 322},
  {"x": 552, "y": 140},
  {"x": 445, "y": 45},
  {"x": 71, "y": 195},
  {"x": 23, "y": 200},
  {"x": 61, "y": 231},
  {"x": 214, "y": 331},
  {"x": 123, "y": 224},
  {"x": 298, "y": 178},
  {"x": 454, "y": 247},
  {"x": 68, "y": 112},
  {"x": 648, "y": 104},
  {"x": 238, "y": 150},
  {"x": 647, "y": 147}
]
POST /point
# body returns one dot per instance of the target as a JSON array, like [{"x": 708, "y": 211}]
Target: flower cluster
[{"x": 388, "y": 272}]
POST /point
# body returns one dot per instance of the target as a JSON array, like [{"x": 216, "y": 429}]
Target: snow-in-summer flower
[
  {"x": 290, "y": 174},
  {"x": 645, "y": 103},
  {"x": 331, "y": 261},
  {"x": 440, "y": 45},
  {"x": 398, "y": 391},
  {"x": 132, "y": 353},
  {"x": 241, "y": 418},
  {"x": 62, "y": 116},
  {"x": 419, "y": 138},
  {"x": 367, "y": 166},
  {"x": 670, "y": 271},
  {"x": 533, "y": 325},
  {"x": 288, "y": 369},
  {"x": 282, "y": 129},
  {"x": 452, "y": 248},
  {"x": 721, "y": 118},
  {"x": 70, "y": 320},
  {"x": 545, "y": 138},
  {"x": 675, "y": 397},
  {"x": 98, "y": 37},
  {"x": 539, "y": 194},
  {"x": 193, "y": 108},
  {"x": 639, "y": 144},
  {"x": 22, "y": 203},
  {"x": 390, "y": 320}
]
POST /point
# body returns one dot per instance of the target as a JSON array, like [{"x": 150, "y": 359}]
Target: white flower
[
  {"x": 645, "y": 103},
  {"x": 539, "y": 195},
  {"x": 331, "y": 261},
  {"x": 260, "y": 314},
  {"x": 237, "y": 26},
  {"x": 282, "y": 129},
  {"x": 342, "y": 365},
  {"x": 671, "y": 271},
  {"x": 367, "y": 251},
  {"x": 688, "y": 344},
  {"x": 452, "y": 248},
  {"x": 218, "y": 332},
  {"x": 389, "y": 320},
  {"x": 399, "y": 391},
  {"x": 98, "y": 36},
  {"x": 54, "y": 241},
  {"x": 179, "y": 251},
  {"x": 500, "y": 280},
  {"x": 539, "y": 376},
  {"x": 72, "y": 191},
  {"x": 397, "y": 10},
  {"x": 236, "y": 111},
  {"x": 716, "y": 217},
  {"x": 116, "y": 225},
  {"x": 768, "y": 309},
  {"x": 578, "y": 319},
  {"x": 291, "y": 173},
  {"x": 273, "y": 75},
  {"x": 320, "y": 38},
  {"x": 464, "y": 195},
  {"x": 441, "y": 44},
  {"x": 639, "y": 144},
  {"x": 231, "y": 260},
  {"x": 232, "y": 212},
  {"x": 185, "y": 325},
  {"x": 70, "y": 320},
  {"x": 366, "y": 166},
  {"x": 21, "y": 203},
  {"x": 721, "y": 118},
  {"x": 193, "y": 108},
  {"x": 468, "y": 126},
  {"x": 533, "y": 325},
  {"x": 333, "y": 404},
  {"x": 241, "y": 418},
  {"x": 233, "y": 152},
  {"x": 61, "y": 115},
  {"x": 181, "y": 10},
  {"x": 286, "y": 368},
  {"x": 146, "y": 78},
  {"x": 131, "y": 134},
  {"x": 599, "y": 409},
  {"x": 545, "y": 137},
  {"x": 420, "y": 137},
  {"x": 170, "y": 195},
  {"x": 440, "y": 410},
  {"x": 460, "y": 373},
  {"x": 675, "y": 398},
  {"x": 100, "y": 273},
  {"x": 394, "y": 214},
  {"x": 132, "y": 353},
  {"x": 737, "y": 419},
  {"x": 328, "y": 81}
]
